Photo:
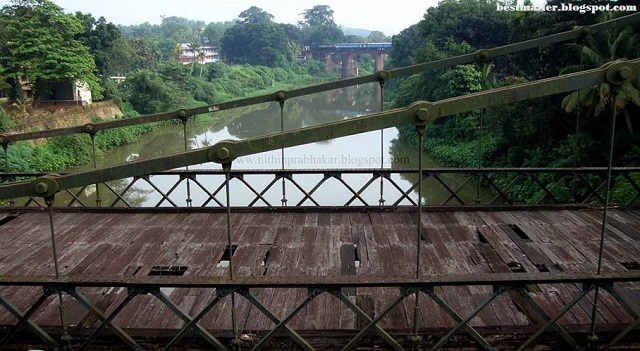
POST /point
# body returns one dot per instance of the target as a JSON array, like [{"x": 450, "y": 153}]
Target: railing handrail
[{"x": 280, "y": 96}]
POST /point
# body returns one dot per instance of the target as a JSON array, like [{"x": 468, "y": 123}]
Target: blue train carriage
[{"x": 379, "y": 46}]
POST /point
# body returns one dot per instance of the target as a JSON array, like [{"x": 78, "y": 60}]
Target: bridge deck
[{"x": 289, "y": 244}]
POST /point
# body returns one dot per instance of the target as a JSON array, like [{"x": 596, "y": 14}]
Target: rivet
[
  {"x": 423, "y": 114},
  {"x": 280, "y": 96},
  {"x": 223, "y": 153},
  {"x": 41, "y": 188},
  {"x": 625, "y": 72}
]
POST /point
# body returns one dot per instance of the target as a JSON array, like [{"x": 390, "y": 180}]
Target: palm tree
[
  {"x": 194, "y": 48},
  {"x": 613, "y": 45},
  {"x": 201, "y": 58}
]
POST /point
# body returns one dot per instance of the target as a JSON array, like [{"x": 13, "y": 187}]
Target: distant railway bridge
[{"x": 342, "y": 53}]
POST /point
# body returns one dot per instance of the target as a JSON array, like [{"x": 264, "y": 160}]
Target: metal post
[
  {"x": 593, "y": 338},
  {"x": 381, "y": 201},
  {"x": 49, "y": 200},
  {"x": 234, "y": 318},
  {"x": 416, "y": 339},
  {"x": 186, "y": 148},
  {"x": 284, "y": 188},
  {"x": 95, "y": 166},
  {"x": 5, "y": 147},
  {"x": 481, "y": 131}
]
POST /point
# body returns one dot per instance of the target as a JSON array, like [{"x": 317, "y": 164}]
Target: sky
[{"x": 388, "y": 16}]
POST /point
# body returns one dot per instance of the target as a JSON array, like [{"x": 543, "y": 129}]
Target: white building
[{"x": 203, "y": 54}]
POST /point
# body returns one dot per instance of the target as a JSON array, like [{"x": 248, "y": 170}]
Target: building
[
  {"x": 64, "y": 92},
  {"x": 203, "y": 54}
]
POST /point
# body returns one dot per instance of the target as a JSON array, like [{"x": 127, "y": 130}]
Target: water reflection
[{"x": 367, "y": 150}]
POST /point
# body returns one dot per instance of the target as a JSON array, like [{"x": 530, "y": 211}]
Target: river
[{"x": 368, "y": 150}]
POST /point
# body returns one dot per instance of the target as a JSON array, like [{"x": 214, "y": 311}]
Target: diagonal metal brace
[
  {"x": 404, "y": 292},
  {"x": 297, "y": 338},
  {"x": 551, "y": 321},
  {"x": 107, "y": 321},
  {"x": 474, "y": 334},
  {"x": 186, "y": 318},
  {"x": 220, "y": 294},
  {"x": 358, "y": 311},
  {"x": 463, "y": 323},
  {"x": 117, "y": 330},
  {"x": 24, "y": 319}
]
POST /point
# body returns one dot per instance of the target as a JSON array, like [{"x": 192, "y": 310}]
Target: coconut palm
[{"x": 615, "y": 44}]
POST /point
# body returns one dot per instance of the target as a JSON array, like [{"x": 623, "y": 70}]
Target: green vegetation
[
  {"x": 40, "y": 43},
  {"x": 33, "y": 52},
  {"x": 558, "y": 131}
]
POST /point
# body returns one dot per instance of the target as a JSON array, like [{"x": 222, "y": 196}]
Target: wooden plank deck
[{"x": 285, "y": 244}]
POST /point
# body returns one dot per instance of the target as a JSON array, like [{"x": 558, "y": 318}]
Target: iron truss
[{"x": 514, "y": 285}]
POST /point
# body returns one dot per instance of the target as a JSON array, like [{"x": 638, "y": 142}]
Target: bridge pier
[
  {"x": 347, "y": 66},
  {"x": 378, "y": 62}
]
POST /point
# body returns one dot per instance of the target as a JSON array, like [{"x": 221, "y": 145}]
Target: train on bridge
[{"x": 358, "y": 46}]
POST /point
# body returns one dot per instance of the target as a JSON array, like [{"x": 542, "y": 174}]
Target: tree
[
  {"x": 611, "y": 46},
  {"x": 321, "y": 35},
  {"x": 38, "y": 44},
  {"x": 100, "y": 37},
  {"x": 318, "y": 27},
  {"x": 319, "y": 15},
  {"x": 212, "y": 34},
  {"x": 377, "y": 37},
  {"x": 255, "y": 15},
  {"x": 269, "y": 44}
]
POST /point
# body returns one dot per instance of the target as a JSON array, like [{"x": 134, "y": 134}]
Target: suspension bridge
[{"x": 288, "y": 268}]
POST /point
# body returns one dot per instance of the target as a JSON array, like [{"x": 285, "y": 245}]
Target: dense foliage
[
  {"x": 557, "y": 131},
  {"x": 39, "y": 44}
]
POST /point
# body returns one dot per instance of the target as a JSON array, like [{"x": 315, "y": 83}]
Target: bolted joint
[
  {"x": 426, "y": 113},
  {"x": 416, "y": 339},
  {"x": 45, "y": 186},
  {"x": 89, "y": 128},
  {"x": 482, "y": 55},
  {"x": 183, "y": 115},
  {"x": 619, "y": 72},
  {"x": 382, "y": 77},
  {"x": 280, "y": 96},
  {"x": 585, "y": 31},
  {"x": 236, "y": 342},
  {"x": 221, "y": 152}
]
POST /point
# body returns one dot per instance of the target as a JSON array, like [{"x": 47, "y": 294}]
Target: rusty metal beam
[{"x": 65, "y": 282}]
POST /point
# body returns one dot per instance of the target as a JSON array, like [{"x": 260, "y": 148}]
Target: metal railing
[
  {"x": 515, "y": 288},
  {"x": 502, "y": 187}
]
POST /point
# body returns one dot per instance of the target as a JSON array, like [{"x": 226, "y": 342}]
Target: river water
[{"x": 368, "y": 150}]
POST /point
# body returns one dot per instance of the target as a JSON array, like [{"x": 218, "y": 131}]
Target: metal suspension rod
[
  {"x": 416, "y": 308},
  {"x": 284, "y": 187},
  {"x": 5, "y": 147},
  {"x": 576, "y": 156},
  {"x": 234, "y": 318},
  {"x": 63, "y": 320},
  {"x": 95, "y": 166},
  {"x": 186, "y": 148},
  {"x": 481, "y": 131},
  {"x": 593, "y": 338},
  {"x": 381, "y": 201}
]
